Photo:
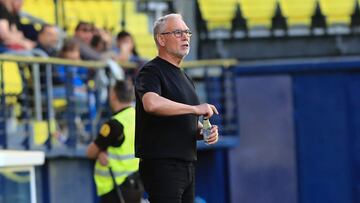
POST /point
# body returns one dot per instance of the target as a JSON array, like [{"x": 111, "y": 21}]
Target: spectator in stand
[
  {"x": 84, "y": 33},
  {"x": 125, "y": 48},
  {"x": 126, "y": 52},
  {"x": 71, "y": 50},
  {"x": 11, "y": 37},
  {"x": 98, "y": 43},
  {"x": 101, "y": 42},
  {"x": 47, "y": 39},
  {"x": 71, "y": 82}
]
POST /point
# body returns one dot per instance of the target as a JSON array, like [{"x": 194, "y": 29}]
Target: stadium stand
[
  {"x": 298, "y": 13},
  {"x": 12, "y": 81},
  {"x": 138, "y": 25},
  {"x": 42, "y": 9},
  {"x": 258, "y": 13},
  {"x": 218, "y": 14},
  {"x": 338, "y": 15},
  {"x": 337, "y": 12},
  {"x": 123, "y": 16}
]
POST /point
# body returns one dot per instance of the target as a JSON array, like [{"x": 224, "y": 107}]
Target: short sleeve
[
  {"x": 148, "y": 80},
  {"x": 111, "y": 133}
]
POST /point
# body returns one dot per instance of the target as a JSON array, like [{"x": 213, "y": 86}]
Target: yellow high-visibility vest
[{"x": 121, "y": 159}]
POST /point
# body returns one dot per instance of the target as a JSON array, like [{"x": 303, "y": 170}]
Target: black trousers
[
  {"x": 168, "y": 180},
  {"x": 131, "y": 189}
]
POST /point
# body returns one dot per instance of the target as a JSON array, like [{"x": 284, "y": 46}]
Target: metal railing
[{"x": 59, "y": 104}]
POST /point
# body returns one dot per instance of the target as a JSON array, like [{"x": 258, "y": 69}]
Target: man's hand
[
  {"x": 206, "y": 110},
  {"x": 103, "y": 158},
  {"x": 214, "y": 136}
]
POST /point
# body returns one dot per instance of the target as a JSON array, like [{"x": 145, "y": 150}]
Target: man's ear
[{"x": 161, "y": 40}]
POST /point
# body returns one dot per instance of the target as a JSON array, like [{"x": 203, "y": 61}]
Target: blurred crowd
[
  {"x": 77, "y": 90},
  {"x": 88, "y": 42}
]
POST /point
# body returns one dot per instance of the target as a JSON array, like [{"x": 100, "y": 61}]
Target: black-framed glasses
[{"x": 178, "y": 33}]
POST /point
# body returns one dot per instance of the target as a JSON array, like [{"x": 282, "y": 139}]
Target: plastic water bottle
[{"x": 206, "y": 129}]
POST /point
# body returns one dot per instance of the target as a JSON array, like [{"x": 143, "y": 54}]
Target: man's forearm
[
  {"x": 92, "y": 151},
  {"x": 159, "y": 105}
]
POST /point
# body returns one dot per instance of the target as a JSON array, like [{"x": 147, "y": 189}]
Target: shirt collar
[{"x": 123, "y": 109}]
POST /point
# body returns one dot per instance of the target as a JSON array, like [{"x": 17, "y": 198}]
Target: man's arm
[
  {"x": 156, "y": 104},
  {"x": 8, "y": 35},
  {"x": 13, "y": 36},
  {"x": 87, "y": 53},
  {"x": 110, "y": 134},
  {"x": 92, "y": 151}
]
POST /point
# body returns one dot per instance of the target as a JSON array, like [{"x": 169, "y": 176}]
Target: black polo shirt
[{"x": 158, "y": 137}]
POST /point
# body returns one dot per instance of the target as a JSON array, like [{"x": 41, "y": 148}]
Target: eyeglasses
[{"x": 178, "y": 33}]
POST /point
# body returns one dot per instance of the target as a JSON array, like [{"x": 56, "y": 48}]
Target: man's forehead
[{"x": 176, "y": 24}]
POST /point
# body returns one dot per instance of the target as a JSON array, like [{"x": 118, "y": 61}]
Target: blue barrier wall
[
  {"x": 212, "y": 176},
  {"x": 70, "y": 178},
  {"x": 323, "y": 137},
  {"x": 66, "y": 179},
  {"x": 299, "y": 132},
  {"x": 263, "y": 166}
]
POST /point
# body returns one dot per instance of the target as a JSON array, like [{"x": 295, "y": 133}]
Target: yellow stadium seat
[
  {"x": 115, "y": 17},
  {"x": 87, "y": 10},
  {"x": 40, "y": 132},
  {"x": 43, "y": 9},
  {"x": 111, "y": 21},
  {"x": 12, "y": 81},
  {"x": 298, "y": 12},
  {"x": 137, "y": 23},
  {"x": 104, "y": 14},
  {"x": 101, "y": 10},
  {"x": 71, "y": 11},
  {"x": 217, "y": 14},
  {"x": 47, "y": 11},
  {"x": 337, "y": 11},
  {"x": 145, "y": 45},
  {"x": 59, "y": 103},
  {"x": 258, "y": 13},
  {"x": 12, "y": 78}
]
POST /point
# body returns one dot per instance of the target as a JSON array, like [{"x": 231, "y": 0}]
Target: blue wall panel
[
  {"x": 70, "y": 180},
  {"x": 211, "y": 176},
  {"x": 323, "y": 151},
  {"x": 353, "y": 90},
  {"x": 326, "y": 115},
  {"x": 263, "y": 166}
]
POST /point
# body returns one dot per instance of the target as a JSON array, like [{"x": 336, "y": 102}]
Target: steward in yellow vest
[{"x": 114, "y": 149}]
